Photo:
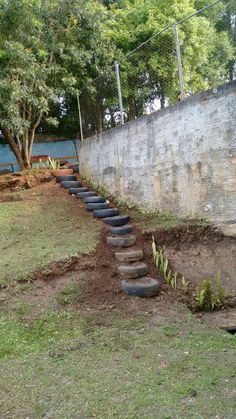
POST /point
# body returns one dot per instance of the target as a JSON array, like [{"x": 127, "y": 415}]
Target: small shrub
[
  {"x": 204, "y": 295},
  {"x": 209, "y": 299},
  {"x": 52, "y": 164},
  {"x": 220, "y": 294}
]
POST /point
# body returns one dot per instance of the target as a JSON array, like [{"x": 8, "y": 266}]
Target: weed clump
[{"x": 209, "y": 299}]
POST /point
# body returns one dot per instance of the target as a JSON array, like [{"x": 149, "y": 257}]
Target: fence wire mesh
[
  {"x": 209, "y": 61},
  {"x": 149, "y": 77},
  {"x": 100, "y": 105},
  {"x": 175, "y": 63}
]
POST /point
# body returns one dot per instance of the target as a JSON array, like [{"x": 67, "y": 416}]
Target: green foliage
[
  {"x": 50, "y": 50},
  {"x": 220, "y": 294},
  {"x": 161, "y": 262},
  {"x": 52, "y": 164},
  {"x": 46, "y": 50},
  {"x": 149, "y": 75},
  {"x": 96, "y": 187},
  {"x": 204, "y": 295},
  {"x": 124, "y": 203},
  {"x": 208, "y": 298}
]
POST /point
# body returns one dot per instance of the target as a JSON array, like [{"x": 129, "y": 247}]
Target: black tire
[
  {"x": 98, "y": 206},
  {"x": 75, "y": 167},
  {"x": 130, "y": 255},
  {"x": 66, "y": 178},
  {"x": 94, "y": 200},
  {"x": 77, "y": 190},
  {"x": 82, "y": 195},
  {"x": 111, "y": 212},
  {"x": 121, "y": 241},
  {"x": 133, "y": 270},
  {"x": 71, "y": 184},
  {"x": 119, "y": 220},
  {"x": 120, "y": 231},
  {"x": 145, "y": 287}
]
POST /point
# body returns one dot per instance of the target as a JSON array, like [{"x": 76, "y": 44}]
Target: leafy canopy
[{"x": 47, "y": 50}]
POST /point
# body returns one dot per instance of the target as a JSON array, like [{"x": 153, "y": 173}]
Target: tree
[
  {"x": 150, "y": 74},
  {"x": 47, "y": 50}
]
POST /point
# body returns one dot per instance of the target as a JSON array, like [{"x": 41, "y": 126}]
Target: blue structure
[{"x": 53, "y": 149}]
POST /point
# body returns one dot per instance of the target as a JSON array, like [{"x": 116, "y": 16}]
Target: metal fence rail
[{"x": 165, "y": 69}]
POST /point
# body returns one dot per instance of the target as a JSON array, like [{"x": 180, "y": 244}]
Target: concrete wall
[{"x": 181, "y": 159}]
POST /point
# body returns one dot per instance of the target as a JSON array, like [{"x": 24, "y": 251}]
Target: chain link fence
[{"x": 175, "y": 63}]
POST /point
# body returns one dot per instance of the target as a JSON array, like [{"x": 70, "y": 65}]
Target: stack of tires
[{"x": 133, "y": 271}]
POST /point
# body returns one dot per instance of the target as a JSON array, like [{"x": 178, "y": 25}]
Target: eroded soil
[
  {"x": 200, "y": 253},
  {"x": 197, "y": 252}
]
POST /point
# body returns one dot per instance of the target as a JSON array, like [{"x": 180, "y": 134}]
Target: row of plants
[
  {"x": 51, "y": 164},
  {"x": 208, "y": 297},
  {"x": 116, "y": 200}
]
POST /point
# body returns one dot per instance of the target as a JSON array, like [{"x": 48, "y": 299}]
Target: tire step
[
  {"x": 111, "y": 212},
  {"x": 75, "y": 167},
  {"x": 145, "y": 287},
  {"x": 82, "y": 195},
  {"x": 130, "y": 255},
  {"x": 118, "y": 220},
  {"x": 120, "y": 231},
  {"x": 77, "y": 190},
  {"x": 71, "y": 184},
  {"x": 66, "y": 178},
  {"x": 133, "y": 271},
  {"x": 97, "y": 206},
  {"x": 94, "y": 200},
  {"x": 121, "y": 241}
]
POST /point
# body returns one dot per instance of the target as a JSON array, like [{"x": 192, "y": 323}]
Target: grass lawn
[
  {"x": 66, "y": 364},
  {"x": 65, "y": 354},
  {"x": 44, "y": 227}
]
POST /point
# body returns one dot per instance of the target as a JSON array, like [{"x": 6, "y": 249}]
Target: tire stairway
[{"x": 133, "y": 271}]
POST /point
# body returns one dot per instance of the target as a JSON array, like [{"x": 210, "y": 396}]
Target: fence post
[
  {"x": 80, "y": 119},
  {"x": 179, "y": 61},
  {"x": 119, "y": 92}
]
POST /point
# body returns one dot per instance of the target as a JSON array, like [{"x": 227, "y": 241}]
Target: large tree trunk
[
  {"x": 22, "y": 146},
  {"x": 25, "y": 150},
  {"x": 14, "y": 147}
]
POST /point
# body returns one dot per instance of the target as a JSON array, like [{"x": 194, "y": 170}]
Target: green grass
[
  {"x": 69, "y": 294},
  {"x": 64, "y": 365},
  {"x": 61, "y": 358},
  {"x": 153, "y": 220},
  {"x": 40, "y": 230}
]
